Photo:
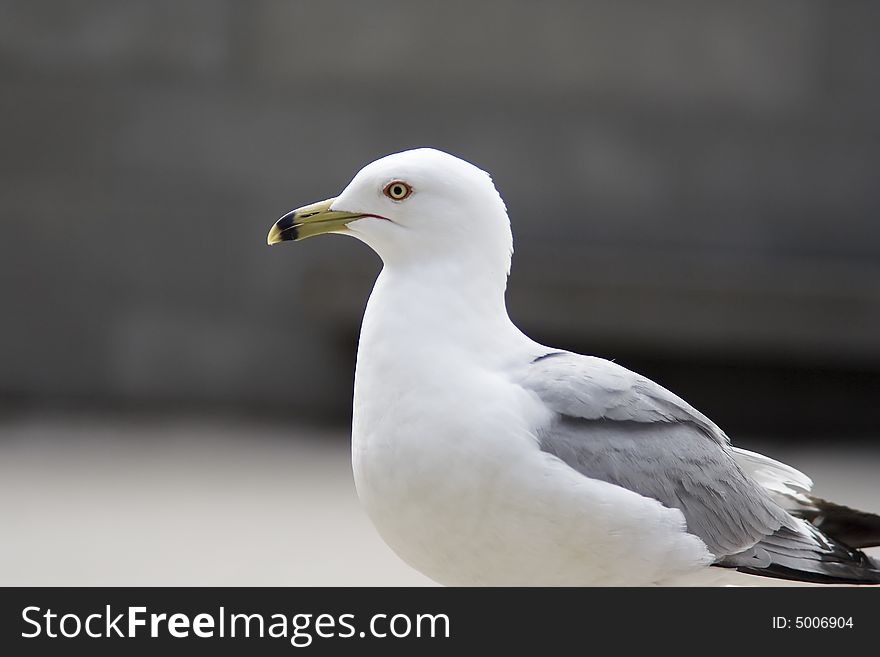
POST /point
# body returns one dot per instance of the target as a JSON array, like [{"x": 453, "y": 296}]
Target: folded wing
[{"x": 611, "y": 424}]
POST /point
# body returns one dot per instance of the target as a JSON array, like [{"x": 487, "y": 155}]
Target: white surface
[
  {"x": 175, "y": 502},
  {"x": 108, "y": 501}
]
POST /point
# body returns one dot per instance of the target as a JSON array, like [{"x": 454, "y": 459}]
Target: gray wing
[
  {"x": 617, "y": 426},
  {"x": 673, "y": 463}
]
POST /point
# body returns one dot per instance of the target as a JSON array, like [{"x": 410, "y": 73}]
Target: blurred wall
[{"x": 693, "y": 188}]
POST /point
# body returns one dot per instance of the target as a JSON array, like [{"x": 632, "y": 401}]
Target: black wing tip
[
  {"x": 851, "y": 527},
  {"x": 866, "y": 576},
  {"x": 811, "y": 557}
]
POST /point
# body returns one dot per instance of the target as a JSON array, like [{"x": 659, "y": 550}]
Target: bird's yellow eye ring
[{"x": 397, "y": 190}]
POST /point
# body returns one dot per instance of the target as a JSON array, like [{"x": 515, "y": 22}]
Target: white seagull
[{"x": 485, "y": 458}]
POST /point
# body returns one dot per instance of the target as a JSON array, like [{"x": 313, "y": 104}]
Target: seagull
[{"x": 485, "y": 458}]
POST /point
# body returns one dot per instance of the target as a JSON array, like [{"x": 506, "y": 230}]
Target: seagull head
[{"x": 420, "y": 207}]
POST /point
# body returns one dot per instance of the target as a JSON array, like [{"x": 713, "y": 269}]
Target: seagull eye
[{"x": 397, "y": 190}]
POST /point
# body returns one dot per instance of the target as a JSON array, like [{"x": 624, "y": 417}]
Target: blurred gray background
[{"x": 693, "y": 188}]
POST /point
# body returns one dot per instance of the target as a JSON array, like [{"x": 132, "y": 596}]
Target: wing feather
[{"x": 611, "y": 424}]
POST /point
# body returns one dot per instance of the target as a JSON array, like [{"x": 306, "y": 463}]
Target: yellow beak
[{"x": 310, "y": 220}]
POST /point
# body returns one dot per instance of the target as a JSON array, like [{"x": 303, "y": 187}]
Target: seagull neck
[{"x": 462, "y": 308}]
